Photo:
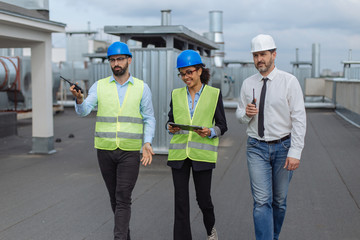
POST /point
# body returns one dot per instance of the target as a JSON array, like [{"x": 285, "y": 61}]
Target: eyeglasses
[
  {"x": 187, "y": 73},
  {"x": 119, "y": 59}
]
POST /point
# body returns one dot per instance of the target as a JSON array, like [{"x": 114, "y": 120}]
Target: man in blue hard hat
[
  {"x": 272, "y": 104},
  {"x": 125, "y": 119}
]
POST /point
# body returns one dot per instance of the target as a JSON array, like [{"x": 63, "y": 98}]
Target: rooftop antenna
[
  {"x": 297, "y": 55},
  {"x": 350, "y": 55}
]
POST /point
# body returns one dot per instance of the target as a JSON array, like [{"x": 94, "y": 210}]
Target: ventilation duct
[{"x": 165, "y": 17}]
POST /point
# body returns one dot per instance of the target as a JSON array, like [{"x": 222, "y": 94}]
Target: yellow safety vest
[
  {"x": 119, "y": 127},
  {"x": 188, "y": 144}
]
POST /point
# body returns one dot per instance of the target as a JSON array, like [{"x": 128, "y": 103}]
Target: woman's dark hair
[{"x": 205, "y": 75}]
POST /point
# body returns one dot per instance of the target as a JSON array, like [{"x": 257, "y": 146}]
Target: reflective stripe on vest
[
  {"x": 188, "y": 144},
  {"x": 119, "y": 119},
  {"x": 119, "y": 127},
  {"x": 196, "y": 145},
  {"x": 119, "y": 135}
]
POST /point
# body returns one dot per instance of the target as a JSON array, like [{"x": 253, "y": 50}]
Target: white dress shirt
[{"x": 284, "y": 110}]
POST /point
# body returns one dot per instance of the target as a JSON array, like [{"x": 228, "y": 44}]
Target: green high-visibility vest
[
  {"x": 119, "y": 127},
  {"x": 188, "y": 144}
]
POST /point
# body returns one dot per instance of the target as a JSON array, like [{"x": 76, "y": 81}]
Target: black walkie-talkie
[
  {"x": 253, "y": 101},
  {"x": 77, "y": 88}
]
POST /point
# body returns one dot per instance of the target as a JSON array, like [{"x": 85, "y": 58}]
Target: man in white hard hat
[{"x": 271, "y": 103}]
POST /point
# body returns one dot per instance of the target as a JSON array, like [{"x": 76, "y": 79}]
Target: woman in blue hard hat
[{"x": 196, "y": 150}]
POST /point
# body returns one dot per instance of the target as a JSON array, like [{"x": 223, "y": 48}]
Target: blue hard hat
[
  {"x": 118, "y": 48},
  {"x": 188, "y": 58}
]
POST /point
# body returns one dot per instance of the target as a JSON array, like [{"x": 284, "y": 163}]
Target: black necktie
[{"x": 261, "y": 109}]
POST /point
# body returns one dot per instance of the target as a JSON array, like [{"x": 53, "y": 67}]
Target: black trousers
[
  {"x": 202, "y": 181},
  {"x": 120, "y": 170}
]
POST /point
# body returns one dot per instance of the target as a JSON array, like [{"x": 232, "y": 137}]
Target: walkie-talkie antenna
[
  {"x": 253, "y": 101},
  {"x": 77, "y": 88}
]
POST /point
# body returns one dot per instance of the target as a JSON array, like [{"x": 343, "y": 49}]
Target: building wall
[
  {"x": 58, "y": 55},
  {"x": 348, "y": 95},
  {"x": 76, "y": 46}
]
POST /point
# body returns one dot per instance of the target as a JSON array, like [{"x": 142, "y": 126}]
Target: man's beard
[
  {"x": 120, "y": 71},
  {"x": 266, "y": 67}
]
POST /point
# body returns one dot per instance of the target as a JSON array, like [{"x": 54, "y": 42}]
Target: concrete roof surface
[{"x": 62, "y": 196}]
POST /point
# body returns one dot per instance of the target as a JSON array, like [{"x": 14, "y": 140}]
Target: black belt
[{"x": 276, "y": 141}]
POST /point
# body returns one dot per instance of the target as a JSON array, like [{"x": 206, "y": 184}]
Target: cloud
[{"x": 293, "y": 24}]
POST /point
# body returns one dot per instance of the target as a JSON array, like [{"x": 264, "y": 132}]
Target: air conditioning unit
[{"x": 15, "y": 83}]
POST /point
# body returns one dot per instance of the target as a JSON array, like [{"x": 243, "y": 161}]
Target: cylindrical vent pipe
[
  {"x": 216, "y": 33},
  {"x": 297, "y": 55},
  {"x": 165, "y": 17},
  {"x": 315, "y": 71},
  {"x": 350, "y": 55},
  {"x": 216, "y": 24}
]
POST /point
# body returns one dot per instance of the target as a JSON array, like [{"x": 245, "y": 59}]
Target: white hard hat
[{"x": 262, "y": 42}]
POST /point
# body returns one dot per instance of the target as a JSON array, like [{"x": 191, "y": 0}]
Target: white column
[{"x": 42, "y": 103}]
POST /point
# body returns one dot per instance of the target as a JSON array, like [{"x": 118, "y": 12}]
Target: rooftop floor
[{"x": 62, "y": 196}]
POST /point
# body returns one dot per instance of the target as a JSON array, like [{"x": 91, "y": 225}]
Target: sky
[{"x": 334, "y": 24}]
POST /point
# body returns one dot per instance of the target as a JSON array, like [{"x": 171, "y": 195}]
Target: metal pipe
[
  {"x": 216, "y": 23},
  {"x": 216, "y": 26},
  {"x": 165, "y": 17},
  {"x": 315, "y": 70},
  {"x": 350, "y": 55},
  {"x": 297, "y": 55}
]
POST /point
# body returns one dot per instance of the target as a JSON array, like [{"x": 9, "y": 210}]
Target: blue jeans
[{"x": 269, "y": 185}]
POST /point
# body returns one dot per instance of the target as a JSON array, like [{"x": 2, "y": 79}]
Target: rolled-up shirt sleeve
[
  {"x": 89, "y": 103},
  {"x": 147, "y": 112}
]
